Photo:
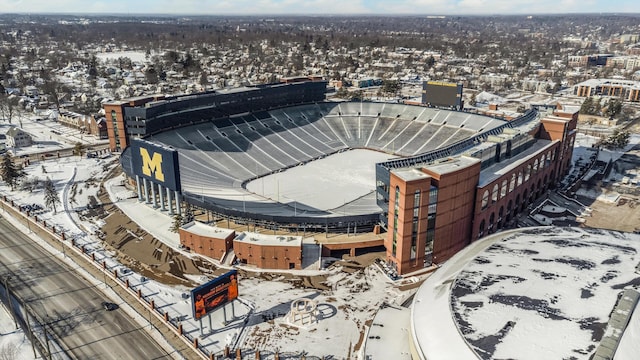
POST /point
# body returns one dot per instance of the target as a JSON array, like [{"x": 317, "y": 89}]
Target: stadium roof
[{"x": 538, "y": 293}]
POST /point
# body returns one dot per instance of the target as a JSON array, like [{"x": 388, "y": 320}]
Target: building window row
[
  {"x": 523, "y": 199},
  {"x": 500, "y": 191}
]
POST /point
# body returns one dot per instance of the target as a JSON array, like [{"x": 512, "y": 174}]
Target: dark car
[{"x": 109, "y": 306}]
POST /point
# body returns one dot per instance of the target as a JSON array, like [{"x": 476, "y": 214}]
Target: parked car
[{"x": 109, "y": 306}]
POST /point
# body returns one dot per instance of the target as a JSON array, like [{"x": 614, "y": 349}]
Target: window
[
  {"x": 527, "y": 173},
  {"x": 503, "y": 189},
  {"x": 414, "y": 231},
  {"x": 542, "y": 163},
  {"x": 494, "y": 194},
  {"x": 519, "y": 178},
  {"x": 416, "y": 204},
  {"x": 485, "y": 199},
  {"x": 512, "y": 183},
  {"x": 396, "y": 208},
  {"x": 535, "y": 165}
]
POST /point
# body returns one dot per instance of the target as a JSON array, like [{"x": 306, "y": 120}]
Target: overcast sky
[{"x": 381, "y": 7}]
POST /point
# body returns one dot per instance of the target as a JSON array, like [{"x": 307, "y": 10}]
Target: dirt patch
[
  {"x": 150, "y": 257},
  {"x": 140, "y": 251},
  {"x": 624, "y": 216}
]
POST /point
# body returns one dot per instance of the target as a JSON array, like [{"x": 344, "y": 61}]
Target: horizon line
[{"x": 316, "y": 14}]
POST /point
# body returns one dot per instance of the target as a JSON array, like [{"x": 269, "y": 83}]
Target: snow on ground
[
  {"x": 335, "y": 180},
  {"x": 258, "y": 321},
  {"x": 13, "y": 342},
  {"x": 613, "y": 155},
  {"x": 542, "y": 293},
  {"x": 343, "y": 311},
  {"x": 135, "y": 56}
]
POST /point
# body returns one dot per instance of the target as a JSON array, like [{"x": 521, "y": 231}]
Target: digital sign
[
  {"x": 442, "y": 94},
  {"x": 214, "y": 294},
  {"x": 156, "y": 163}
]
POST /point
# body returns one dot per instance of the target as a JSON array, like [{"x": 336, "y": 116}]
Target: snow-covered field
[
  {"x": 135, "y": 56},
  {"x": 335, "y": 180}
]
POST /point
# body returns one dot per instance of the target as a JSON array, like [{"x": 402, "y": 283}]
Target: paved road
[{"x": 70, "y": 304}]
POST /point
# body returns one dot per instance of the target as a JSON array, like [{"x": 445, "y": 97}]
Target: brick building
[
  {"x": 437, "y": 209},
  {"x": 207, "y": 240},
  {"x": 269, "y": 251}
]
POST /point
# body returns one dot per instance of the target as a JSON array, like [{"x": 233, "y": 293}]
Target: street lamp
[
  {"x": 6, "y": 289},
  {"x": 295, "y": 205}
]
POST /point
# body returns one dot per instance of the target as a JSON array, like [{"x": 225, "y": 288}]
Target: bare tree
[
  {"x": 9, "y": 351},
  {"x": 9, "y": 106},
  {"x": 51, "y": 198}
]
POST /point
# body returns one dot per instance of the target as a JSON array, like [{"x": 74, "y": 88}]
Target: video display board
[
  {"x": 156, "y": 163},
  {"x": 442, "y": 94},
  {"x": 214, "y": 294}
]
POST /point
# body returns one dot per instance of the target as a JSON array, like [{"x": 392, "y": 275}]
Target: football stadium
[{"x": 281, "y": 157}]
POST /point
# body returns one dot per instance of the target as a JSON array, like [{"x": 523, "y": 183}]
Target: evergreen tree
[
  {"x": 176, "y": 224},
  {"x": 78, "y": 149},
  {"x": 587, "y": 106},
  {"x": 9, "y": 171},
  {"x": 614, "y": 107},
  {"x": 617, "y": 140},
  {"x": 188, "y": 214},
  {"x": 51, "y": 198}
]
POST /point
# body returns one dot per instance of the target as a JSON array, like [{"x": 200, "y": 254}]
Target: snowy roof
[
  {"x": 410, "y": 174},
  {"x": 538, "y": 293},
  {"x": 269, "y": 240},
  {"x": 199, "y": 228},
  {"x": 504, "y": 167}
]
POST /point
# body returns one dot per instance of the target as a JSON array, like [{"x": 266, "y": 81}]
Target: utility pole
[{"x": 6, "y": 289}]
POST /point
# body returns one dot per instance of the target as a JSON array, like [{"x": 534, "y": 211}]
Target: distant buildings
[
  {"x": 85, "y": 123},
  {"x": 627, "y": 90},
  {"x": 17, "y": 138}
]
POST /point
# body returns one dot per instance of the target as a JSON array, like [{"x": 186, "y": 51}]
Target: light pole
[
  {"x": 295, "y": 205},
  {"x": 6, "y": 289}
]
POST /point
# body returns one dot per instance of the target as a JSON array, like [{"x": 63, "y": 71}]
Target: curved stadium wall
[{"x": 193, "y": 124}]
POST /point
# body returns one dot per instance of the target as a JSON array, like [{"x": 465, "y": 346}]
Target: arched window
[
  {"x": 481, "y": 229},
  {"x": 549, "y": 157},
  {"x": 500, "y": 215},
  {"x": 485, "y": 199},
  {"x": 512, "y": 184},
  {"x": 527, "y": 173},
  {"x": 519, "y": 178},
  {"x": 503, "y": 189},
  {"x": 542, "y": 163},
  {"x": 494, "y": 194},
  {"x": 535, "y": 165}
]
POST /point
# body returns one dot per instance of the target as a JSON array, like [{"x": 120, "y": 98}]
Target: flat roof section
[
  {"x": 410, "y": 174},
  {"x": 201, "y": 229},
  {"x": 269, "y": 240},
  {"x": 454, "y": 164},
  {"x": 504, "y": 167}
]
